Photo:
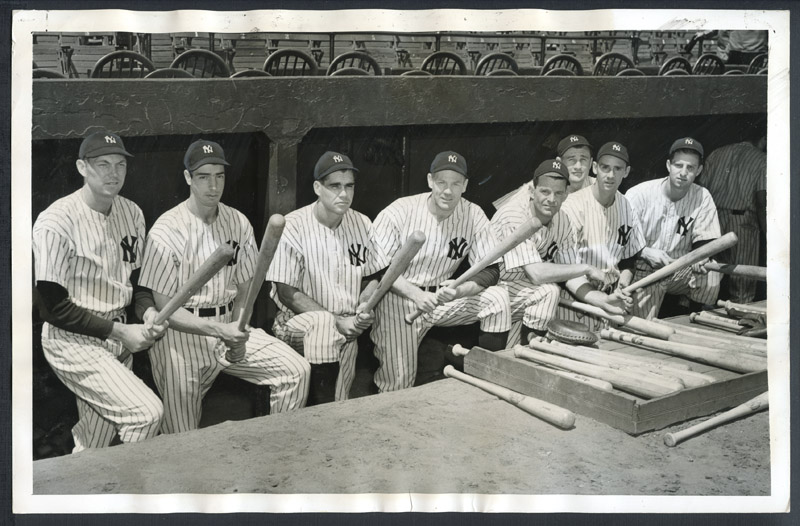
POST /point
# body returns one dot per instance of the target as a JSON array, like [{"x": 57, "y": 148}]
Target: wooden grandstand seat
[
  {"x": 708, "y": 64},
  {"x": 169, "y": 73},
  {"x": 201, "y": 63},
  {"x": 350, "y": 71},
  {"x": 567, "y": 62},
  {"x": 245, "y": 51},
  {"x": 610, "y": 64},
  {"x": 734, "y": 72},
  {"x": 80, "y": 52},
  {"x": 416, "y": 73},
  {"x": 379, "y": 46},
  {"x": 675, "y": 63},
  {"x": 290, "y": 63},
  {"x": 676, "y": 72},
  {"x": 310, "y": 43},
  {"x": 630, "y": 72},
  {"x": 758, "y": 63},
  {"x": 444, "y": 63},
  {"x": 42, "y": 73},
  {"x": 502, "y": 72},
  {"x": 495, "y": 62},
  {"x": 560, "y": 72},
  {"x": 122, "y": 65},
  {"x": 355, "y": 59},
  {"x": 411, "y": 50},
  {"x": 249, "y": 73}
]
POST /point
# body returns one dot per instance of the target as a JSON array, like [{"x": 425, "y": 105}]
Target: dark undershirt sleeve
[
  {"x": 142, "y": 296},
  {"x": 488, "y": 276},
  {"x": 629, "y": 263},
  {"x": 698, "y": 244},
  {"x": 56, "y": 308}
]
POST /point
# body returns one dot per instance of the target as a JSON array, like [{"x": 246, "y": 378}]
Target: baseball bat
[
  {"x": 671, "y": 383},
  {"x": 523, "y": 232},
  {"x": 699, "y": 254},
  {"x": 269, "y": 244},
  {"x": 218, "y": 259},
  {"x": 745, "y": 271},
  {"x": 752, "y": 309},
  {"x": 632, "y": 383},
  {"x": 718, "y": 322},
  {"x": 715, "y": 336},
  {"x": 628, "y": 321},
  {"x": 720, "y": 343},
  {"x": 759, "y": 403},
  {"x": 558, "y": 416},
  {"x": 458, "y": 350},
  {"x": 399, "y": 264},
  {"x": 743, "y": 363}
]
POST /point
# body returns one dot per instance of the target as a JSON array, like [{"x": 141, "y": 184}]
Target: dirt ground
[{"x": 443, "y": 437}]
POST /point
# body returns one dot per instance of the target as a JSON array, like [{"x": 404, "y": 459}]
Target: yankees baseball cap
[
  {"x": 616, "y": 149},
  {"x": 570, "y": 141},
  {"x": 687, "y": 143},
  {"x": 331, "y": 162},
  {"x": 203, "y": 152},
  {"x": 102, "y": 143},
  {"x": 449, "y": 161},
  {"x": 551, "y": 166}
]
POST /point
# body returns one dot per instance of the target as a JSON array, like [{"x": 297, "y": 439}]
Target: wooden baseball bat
[
  {"x": 558, "y": 416},
  {"x": 458, "y": 350},
  {"x": 632, "y": 383},
  {"x": 753, "y": 309},
  {"x": 699, "y": 254},
  {"x": 399, "y": 264},
  {"x": 745, "y": 271},
  {"x": 743, "y": 363},
  {"x": 720, "y": 343},
  {"x": 523, "y": 232},
  {"x": 759, "y": 403},
  {"x": 716, "y": 336},
  {"x": 718, "y": 322},
  {"x": 631, "y": 322},
  {"x": 269, "y": 244},
  {"x": 218, "y": 259},
  {"x": 670, "y": 383},
  {"x": 626, "y": 358}
]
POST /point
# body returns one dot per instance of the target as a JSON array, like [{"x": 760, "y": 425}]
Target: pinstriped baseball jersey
[
  {"x": 88, "y": 253},
  {"x": 604, "y": 235},
  {"x": 466, "y": 232},
  {"x": 733, "y": 174},
  {"x": 325, "y": 264},
  {"x": 674, "y": 226},
  {"x": 179, "y": 242},
  {"x": 554, "y": 242}
]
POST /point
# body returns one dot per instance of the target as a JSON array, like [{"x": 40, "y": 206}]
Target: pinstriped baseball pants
[
  {"x": 186, "y": 365},
  {"x": 314, "y": 335},
  {"x": 111, "y": 399},
  {"x": 531, "y": 305},
  {"x": 702, "y": 288},
  {"x": 396, "y": 341}
]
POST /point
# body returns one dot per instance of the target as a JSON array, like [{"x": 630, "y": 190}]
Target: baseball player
[
  {"x": 677, "y": 216},
  {"x": 608, "y": 234},
  {"x": 191, "y": 354},
  {"x": 87, "y": 250},
  {"x": 454, "y": 229},
  {"x": 736, "y": 177},
  {"x": 532, "y": 270},
  {"x": 317, "y": 274}
]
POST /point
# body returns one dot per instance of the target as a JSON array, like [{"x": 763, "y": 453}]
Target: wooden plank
[{"x": 616, "y": 409}]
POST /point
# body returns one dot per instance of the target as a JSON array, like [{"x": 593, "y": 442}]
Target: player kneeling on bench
[
  {"x": 192, "y": 353},
  {"x": 317, "y": 273},
  {"x": 454, "y": 229}
]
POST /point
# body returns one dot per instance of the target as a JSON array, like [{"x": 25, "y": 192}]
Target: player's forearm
[
  {"x": 485, "y": 278},
  {"x": 541, "y": 273},
  {"x": 57, "y": 309},
  {"x": 625, "y": 278},
  {"x": 184, "y": 321},
  {"x": 403, "y": 288},
  {"x": 297, "y": 301}
]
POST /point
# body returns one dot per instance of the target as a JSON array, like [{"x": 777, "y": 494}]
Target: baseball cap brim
[
  {"x": 110, "y": 150},
  {"x": 336, "y": 168},
  {"x": 208, "y": 160}
]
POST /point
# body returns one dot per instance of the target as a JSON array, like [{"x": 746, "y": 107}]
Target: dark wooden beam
[{"x": 289, "y": 107}]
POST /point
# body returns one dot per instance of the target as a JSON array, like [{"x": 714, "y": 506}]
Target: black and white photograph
[{"x": 400, "y": 260}]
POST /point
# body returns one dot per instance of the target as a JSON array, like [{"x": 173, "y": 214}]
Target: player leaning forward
[
  {"x": 317, "y": 273},
  {"x": 88, "y": 248},
  {"x": 192, "y": 353},
  {"x": 677, "y": 216},
  {"x": 532, "y": 270},
  {"x": 454, "y": 229}
]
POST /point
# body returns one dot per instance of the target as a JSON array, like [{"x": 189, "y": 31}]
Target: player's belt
[
  {"x": 208, "y": 312},
  {"x": 735, "y": 212},
  {"x": 432, "y": 288}
]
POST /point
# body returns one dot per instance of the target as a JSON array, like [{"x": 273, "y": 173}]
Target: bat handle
[{"x": 413, "y": 316}]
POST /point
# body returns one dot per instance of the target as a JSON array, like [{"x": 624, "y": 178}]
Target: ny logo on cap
[
  {"x": 337, "y": 158},
  {"x": 573, "y": 139},
  {"x": 556, "y": 165},
  {"x": 689, "y": 141},
  {"x": 452, "y": 158},
  {"x": 615, "y": 147},
  {"x": 110, "y": 139},
  {"x": 208, "y": 149}
]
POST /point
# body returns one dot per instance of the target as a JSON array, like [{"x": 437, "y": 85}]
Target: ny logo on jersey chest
[
  {"x": 624, "y": 234},
  {"x": 235, "y": 257},
  {"x": 683, "y": 225},
  {"x": 550, "y": 253},
  {"x": 128, "y": 245},
  {"x": 456, "y": 248},
  {"x": 358, "y": 254}
]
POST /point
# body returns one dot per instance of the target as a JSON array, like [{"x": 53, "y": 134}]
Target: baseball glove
[{"x": 570, "y": 332}]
